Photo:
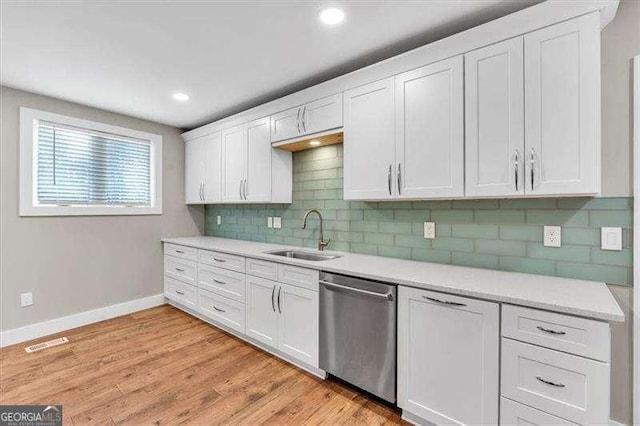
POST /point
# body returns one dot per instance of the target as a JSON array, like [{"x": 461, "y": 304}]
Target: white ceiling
[{"x": 129, "y": 56}]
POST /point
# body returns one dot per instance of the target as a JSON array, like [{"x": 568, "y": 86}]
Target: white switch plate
[
  {"x": 430, "y": 230},
  {"x": 219, "y": 220},
  {"x": 553, "y": 236},
  {"x": 269, "y": 222},
  {"x": 26, "y": 299},
  {"x": 611, "y": 238},
  {"x": 277, "y": 222}
]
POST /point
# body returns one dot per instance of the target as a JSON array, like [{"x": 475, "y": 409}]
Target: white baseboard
[
  {"x": 614, "y": 423},
  {"x": 33, "y": 331}
]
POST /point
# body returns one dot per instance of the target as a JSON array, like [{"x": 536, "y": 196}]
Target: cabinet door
[
  {"x": 286, "y": 124},
  {"x": 430, "y": 131},
  {"x": 562, "y": 108},
  {"x": 369, "y": 149},
  {"x": 447, "y": 357},
  {"x": 194, "y": 170},
  {"x": 233, "y": 163},
  {"x": 323, "y": 114},
  {"x": 258, "y": 178},
  {"x": 299, "y": 321},
  {"x": 262, "y": 317},
  {"x": 494, "y": 120},
  {"x": 211, "y": 178}
]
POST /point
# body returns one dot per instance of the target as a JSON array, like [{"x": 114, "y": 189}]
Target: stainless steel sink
[{"x": 304, "y": 255}]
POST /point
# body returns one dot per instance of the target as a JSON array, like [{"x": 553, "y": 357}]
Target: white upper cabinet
[
  {"x": 369, "y": 148},
  {"x": 494, "y": 120},
  {"x": 202, "y": 169},
  {"x": 429, "y": 138},
  {"x": 257, "y": 185},
  {"x": 313, "y": 117},
  {"x": 562, "y": 108},
  {"x": 233, "y": 163}
]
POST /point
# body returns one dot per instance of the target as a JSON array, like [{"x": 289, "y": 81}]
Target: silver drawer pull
[
  {"x": 218, "y": 309},
  {"x": 547, "y": 382},
  {"x": 179, "y": 269},
  {"x": 326, "y": 284},
  {"x": 180, "y": 293},
  {"x": 219, "y": 260},
  {"x": 444, "y": 302},
  {"x": 218, "y": 281},
  {"x": 548, "y": 330},
  {"x": 179, "y": 251}
]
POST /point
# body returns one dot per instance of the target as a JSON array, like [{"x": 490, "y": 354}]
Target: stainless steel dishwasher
[{"x": 358, "y": 333}]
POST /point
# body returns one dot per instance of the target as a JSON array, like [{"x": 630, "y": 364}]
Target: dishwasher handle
[{"x": 385, "y": 296}]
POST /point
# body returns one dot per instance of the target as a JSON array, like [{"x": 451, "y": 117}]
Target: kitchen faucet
[{"x": 322, "y": 243}]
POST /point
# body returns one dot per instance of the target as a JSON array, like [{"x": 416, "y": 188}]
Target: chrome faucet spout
[{"x": 322, "y": 243}]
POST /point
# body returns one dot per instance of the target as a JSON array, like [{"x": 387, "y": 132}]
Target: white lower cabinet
[
  {"x": 514, "y": 413},
  {"x": 448, "y": 357},
  {"x": 262, "y": 317},
  {"x": 222, "y": 309}
]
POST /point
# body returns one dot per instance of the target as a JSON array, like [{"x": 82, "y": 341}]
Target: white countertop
[{"x": 577, "y": 297}]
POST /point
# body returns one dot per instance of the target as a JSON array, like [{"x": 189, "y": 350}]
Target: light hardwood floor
[{"x": 163, "y": 366}]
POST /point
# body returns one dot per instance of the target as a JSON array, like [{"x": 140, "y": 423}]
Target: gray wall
[{"x": 74, "y": 264}]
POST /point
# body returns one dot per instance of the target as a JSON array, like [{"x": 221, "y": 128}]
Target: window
[{"x": 77, "y": 167}]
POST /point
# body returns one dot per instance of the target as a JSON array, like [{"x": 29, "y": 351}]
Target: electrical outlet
[
  {"x": 430, "y": 230},
  {"x": 611, "y": 238},
  {"x": 219, "y": 220},
  {"x": 553, "y": 236},
  {"x": 277, "y": 222},
  {"x": 26, "y": 299},
  {"x": 270, "y": 222}
]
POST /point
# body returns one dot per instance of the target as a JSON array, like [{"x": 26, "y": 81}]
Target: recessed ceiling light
[
  {"x": 179, "y": 96},
  {"x": 331, "y": 16},
  {"x": 315, "y": 143}
]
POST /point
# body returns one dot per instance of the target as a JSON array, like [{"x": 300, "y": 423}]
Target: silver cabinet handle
[
  {"x": 399, "y": 178},
  {"x": 389, "y": 179},
  {"x": 443, "y": 302},
  {"x": 547, "y": 382},
  {"x": 200, "y": 191},
  {"x": 180, "y": 293},
  {"x": 516, "y": 167},
  {"x": 219, "y": 282},
  {"x": 204, "y": 186},
  {"x": 240, "y": 189},
  {"x": 273, "y": 303},
  {"x": 532, "y": 164},
  {"x": 385, "y": 296},
  {"x": 180, "y": 251},
  {"x": 218, "y": 309},
  {"x": 178, "y": 269},
  {"x": 298, "y": 120},
  {"x": 246, "y": 188},
  {"x": 219, "y": 260},
  {"x": 304, "y": 124},
  {"x": 548, "y": 330},
  {"x": 279, "y": 291}
]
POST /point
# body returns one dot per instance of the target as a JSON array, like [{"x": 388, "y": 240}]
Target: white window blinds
[{"x": 85, "y": 167}]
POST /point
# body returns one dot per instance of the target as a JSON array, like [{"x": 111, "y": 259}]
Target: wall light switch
[
  {"x": 430, "y": 230},
  {"x": 219, "y": 220},
  {"x": 611, "y": 239},
  {"x": 26, "y": 299},
  {"x": 553, "y": 236},
  {"x": 269, "y": 222},
  {"x": 277, "y": 222}
]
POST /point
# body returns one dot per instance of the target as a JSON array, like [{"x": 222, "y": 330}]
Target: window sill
[{"x": 88, "y": 211}]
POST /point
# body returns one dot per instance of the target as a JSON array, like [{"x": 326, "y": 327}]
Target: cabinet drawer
[
  {"x": 221, "y": 260},
  {"x": 514, "y": 413},
  {"x": 262, "y": 268},
  {"x": 565, "y": 333},
  {"x": 180, "y": 269},
  {"x": 300, "y": 277},
  {"x": 222, "y": 281},
  {"x": 182, "y": 252},
  {"x": 180, "y": 292},
  {"x": 564, "y": 385},
  {"x": 222, "y": 309}
]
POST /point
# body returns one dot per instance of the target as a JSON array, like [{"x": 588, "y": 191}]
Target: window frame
[{"x": 29, "y": 205}]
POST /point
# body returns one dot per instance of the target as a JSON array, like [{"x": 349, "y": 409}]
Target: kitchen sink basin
[{"x": 304, "y": 255}]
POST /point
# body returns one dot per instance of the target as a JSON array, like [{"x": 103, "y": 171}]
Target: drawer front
[
  {"x": 565, "y": 333},
  {"x": 222, "y": 309},
  {"x": 182, "y": 252},
  {"x": 568, "y": 386},
  {"x": 514, "y": 413},
  {"x": 180, "y": 269},
  {"x": 222, "y": 281},
  {"x": 300, "y": 277},
  {"x": 221, "y": 260},
  {"x": 180, "y": 292},
  {"x": 262, "y": 268}
]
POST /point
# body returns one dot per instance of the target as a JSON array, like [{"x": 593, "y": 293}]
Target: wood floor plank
[{"x": 162, "y": 366}]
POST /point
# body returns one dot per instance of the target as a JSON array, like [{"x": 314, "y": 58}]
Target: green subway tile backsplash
[{"x": 496, "y": 234}]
